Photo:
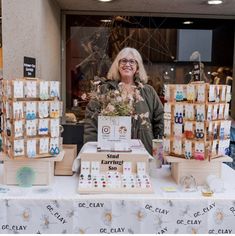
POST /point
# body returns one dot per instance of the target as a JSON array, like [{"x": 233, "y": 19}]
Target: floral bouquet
[{"x": 117, "y": 102}]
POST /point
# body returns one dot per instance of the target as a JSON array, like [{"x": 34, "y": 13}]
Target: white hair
[{"x": 114, "y": 74}]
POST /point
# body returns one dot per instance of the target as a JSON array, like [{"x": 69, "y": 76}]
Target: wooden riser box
[
  {"x": 198, "y": 169},
  {"x": 43, "y": 169},
  {"x": 64, "y": 167}
]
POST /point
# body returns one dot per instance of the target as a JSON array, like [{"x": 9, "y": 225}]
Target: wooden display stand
[
  {"x": 31, "y": 118},
  {"x": 113, "y": 162},
  {"x": 196, "y": 120},
  {"x": 196, "y": 129},
  {"x": 31, "y": 130},
  {"x": 64, "y": 167},
  {"x": 43, "y": 168},
  {"x": 198, "y": 169}
]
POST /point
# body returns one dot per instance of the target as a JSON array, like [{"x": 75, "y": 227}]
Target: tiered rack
[
  {"x": 31, "y": 128},
  {"x": 196, "y": 124}
]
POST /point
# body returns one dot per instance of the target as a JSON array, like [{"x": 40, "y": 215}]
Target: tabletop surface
[{"x": 65, "y": 187}]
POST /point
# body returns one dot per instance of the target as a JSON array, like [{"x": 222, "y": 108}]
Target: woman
[{"x": 128, "y": 68}]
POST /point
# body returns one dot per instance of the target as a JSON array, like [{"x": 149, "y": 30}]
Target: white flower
[
  {"x": 146, "y": 114},
  {"x": 84, "y": 96},
  {"x": 96, "y": 82},
  {"x": 119, "y": 99},
  {"x": 110, "y": 108}
]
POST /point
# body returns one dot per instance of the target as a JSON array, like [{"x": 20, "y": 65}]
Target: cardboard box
[{"x": 64, "y": 167}]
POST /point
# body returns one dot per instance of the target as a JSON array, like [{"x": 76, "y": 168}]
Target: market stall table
[{"x": 58, "y": 208}]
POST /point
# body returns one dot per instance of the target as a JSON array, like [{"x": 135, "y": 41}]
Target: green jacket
[{"x": 151, "y": 104}]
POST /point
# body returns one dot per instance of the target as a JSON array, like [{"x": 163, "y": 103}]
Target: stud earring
[
  {"x": 197, "y": 134},
  {"x": 201, "y": 134},
  {"x": 176, "y": 118},
  {"x": 222, "y": 133},
  {"x": 57, "y": 151},
  {"x": 180, "y": 120}
]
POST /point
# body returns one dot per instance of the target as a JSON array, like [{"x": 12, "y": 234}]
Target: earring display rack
[
  {"x": 196, "y": 128},
  {"x": 31, "y": 118},
  {"x": 114, "y": 172},
  {"x": 196, "y": 120}
]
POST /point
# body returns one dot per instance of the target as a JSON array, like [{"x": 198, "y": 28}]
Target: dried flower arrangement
[{"x": 118, "y": 102}]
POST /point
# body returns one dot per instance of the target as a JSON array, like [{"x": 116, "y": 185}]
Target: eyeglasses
[{"x": 131, "y": 62}]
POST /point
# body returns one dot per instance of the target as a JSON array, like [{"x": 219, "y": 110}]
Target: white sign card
[{"x": 114, "y": 133}]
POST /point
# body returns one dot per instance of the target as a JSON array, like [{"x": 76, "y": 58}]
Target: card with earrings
[
  {"x": 141, "y": 168},
  {"x": 178, "y": 113},
  {"x": 222, "y": 130},
  {"x": 43, "y": 126},
  {"x": 191, "y": 93},
  {"x": 223, "y": 147},
  {"x": 31, "y": 147},
  {"x": 95, "y": 168},
  {"x": 54, "y": 146},
  {"x": 215, "y": 112},
  {"x": 31, "y": 127},
  {"x": 18, "y": 128},
  {"x": 226, "y": 111},
  {"x": 177, "y": 146},
  {"x": 31, "y": 110},
  {"x": 227, "y": 128},
  {"x": 210, "y": 131},
  {"x": 18, "y": 89},
  {"x": 85, "y": 167},
  {"x": 223, "y": 93},
  {"x": 55, "y": 128},
  {"x": 18, "y": 110},
  {"x": 214, "y": 147},
  {"x": 19, "y": 147},
  {"x": 217, "y": 93},
  {"x": 199, "y": 130},
  {"x": 31, "y": 89},
  {"x": 188, "y": 150},
  {"x": 215, "y": 130},
  {"x": 178, "y": 130},
  {"x": 212, "y": 93},
  {"x": 167, "y": 94},
  {"x": 167, "y": 111},
  {"x": 127, "y": 168},
  {"x": 221, "y": 111},
  {"x": 201, "y": 93},
  {"x": 199, "y": 152},
  {"x": 228, "y": 93},
  {"x": 167, "y": 146},
  {"x": 200, "y": 112},
  {"x": 43, "y": 109},
  {"x": 54, "y": 89},
  {"x": 44, "y": 90},
  {"x": 179, "y": 93},
  {"x": 209, "y": 112},
  {"x": 8, "y": 128},
  {"x": 189, "y": 112},
  {"x": 43, "y": 145},
  {"x": 167, "y": 128},
  {"x": 7, "y": 89},
  {"x": 189, "y": 130},
  {"x": 55, "y": 109},
  {"x": 8, "y": 110}
]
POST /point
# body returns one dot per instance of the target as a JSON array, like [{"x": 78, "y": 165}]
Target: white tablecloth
[{"x": 60, "y": 209}]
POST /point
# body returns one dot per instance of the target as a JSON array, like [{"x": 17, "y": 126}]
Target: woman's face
[{"x": 127, "y": 67}]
